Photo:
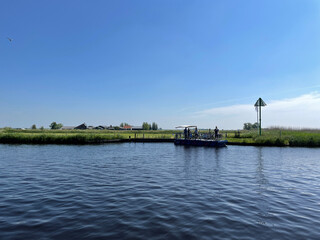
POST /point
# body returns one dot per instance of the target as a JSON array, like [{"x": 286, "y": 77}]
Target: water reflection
[
  {"x": 263, "y": 203},
  {"x": 217, "y": 158},
  {"x": 260, "y": 176},
  {"x": 191, "y": 161}
]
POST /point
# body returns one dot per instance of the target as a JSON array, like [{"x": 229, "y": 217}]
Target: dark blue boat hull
[{"x": 201, "y": 142}]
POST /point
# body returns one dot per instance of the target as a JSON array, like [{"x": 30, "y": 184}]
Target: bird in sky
[{"x": 9, "y": 39}]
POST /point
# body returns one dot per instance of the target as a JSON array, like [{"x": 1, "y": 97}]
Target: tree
[
  {"x": 55, "y": 125},
  {"x": 124, "y": 124},
  {"x": 249, "y": 126},
  {"x": 42, "y": 128},
  {"x": 33, "y": 126},
  {"x": 146, "y": 126},
  {"x": 154, "y": 126}
]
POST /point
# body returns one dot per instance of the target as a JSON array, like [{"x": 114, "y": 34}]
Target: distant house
[
  {"x": 67, "y": 128},
  {"x": 101, "y": 127},
  {"x": 127, "y": 127},
  {"x": 132, "y": 128},
  {"x": 82, "y": 126}
]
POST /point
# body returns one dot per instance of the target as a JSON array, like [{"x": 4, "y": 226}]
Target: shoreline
[
  {"x": 139, "y": 140},
  {"x": 276, "y": 138}
]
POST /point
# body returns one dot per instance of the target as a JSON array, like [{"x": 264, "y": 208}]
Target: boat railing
[{"x": 203, "y": 136}]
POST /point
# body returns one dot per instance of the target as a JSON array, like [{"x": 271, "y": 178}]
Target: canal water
[{"x": 158, "y": 191}]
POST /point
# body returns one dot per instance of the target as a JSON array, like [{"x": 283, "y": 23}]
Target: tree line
[
  {"x": 35, "y": 127},
  {"x": 147, "y": 126},
  {"x": 53, "y": 125}
]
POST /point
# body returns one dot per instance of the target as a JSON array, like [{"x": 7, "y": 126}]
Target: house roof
[
  {"x": 137, "y": 127},
  {"x": 67, "y": 127},
  {"x": 81, "y": 126}
]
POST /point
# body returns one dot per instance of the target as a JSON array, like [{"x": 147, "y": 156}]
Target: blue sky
[{"x": 169, "y": 61}]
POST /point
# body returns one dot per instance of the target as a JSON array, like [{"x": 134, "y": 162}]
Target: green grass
[
  {"x": 76, "y": 136},
  {"x": 279, "y": 137}
]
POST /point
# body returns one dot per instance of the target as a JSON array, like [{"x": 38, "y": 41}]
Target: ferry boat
[{"x": 195, "y": 139}]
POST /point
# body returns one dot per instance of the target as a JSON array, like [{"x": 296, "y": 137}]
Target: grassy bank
[
  {"x": 76, "y": 136},
  {"x": 277, "y": 137},
  {"x": 270, "y": 137}
]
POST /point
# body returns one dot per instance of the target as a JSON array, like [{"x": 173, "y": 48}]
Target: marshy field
[
  {"x": 269, "y": 137},
  {"x": 77, "y": 136},
  {"x": 276, "y": 137}
]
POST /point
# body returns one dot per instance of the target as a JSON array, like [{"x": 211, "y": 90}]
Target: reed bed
[
  {"x": 279, "y": 137},
  {"x": 76, "y": 136}
]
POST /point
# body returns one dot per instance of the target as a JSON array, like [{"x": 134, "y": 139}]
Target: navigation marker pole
[{"x": 260, "y": 103}]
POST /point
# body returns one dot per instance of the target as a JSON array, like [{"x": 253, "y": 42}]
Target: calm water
[{"x": 158, "y": 191}]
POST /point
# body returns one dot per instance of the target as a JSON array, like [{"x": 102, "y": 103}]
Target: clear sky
[{"x": 169, "y": 61}]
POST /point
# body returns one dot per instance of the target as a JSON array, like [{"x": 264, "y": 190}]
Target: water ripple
[{"x": 158, "y": 191}]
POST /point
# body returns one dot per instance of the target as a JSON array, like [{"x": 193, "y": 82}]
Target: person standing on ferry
[
  {"x": 196, "y": 133},
  {"x": 216, "y": 132},
  {"x": 185, "y": 133}
]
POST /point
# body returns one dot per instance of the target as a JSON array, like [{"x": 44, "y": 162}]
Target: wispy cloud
[{"x": 302, "y": 111}]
